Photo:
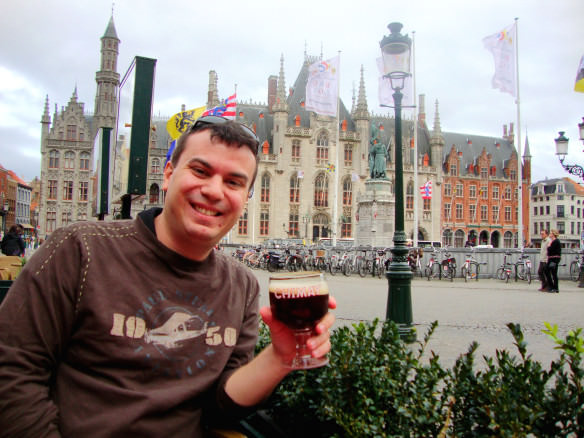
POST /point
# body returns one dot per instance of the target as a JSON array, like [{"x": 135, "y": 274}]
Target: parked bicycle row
[{"x": 438, "y": 264}]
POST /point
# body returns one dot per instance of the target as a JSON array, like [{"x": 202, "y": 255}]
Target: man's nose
[{"x": 213, "y": 187}]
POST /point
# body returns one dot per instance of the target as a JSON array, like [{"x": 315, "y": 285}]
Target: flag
[
  {"x": 330, "y": 168},
  {"x": 170, "y": 151},
  {"x": 182, "y": 121},
  {"x": 502, "y": 45},
  {"x": 579, "y": 85},
  {"x": 385, "y": 92},
  {"x": 354, "y": 177},
  {"x": 300, "y": 174},
  {"x": 426, "y": 190},
  {"x": 322, "y": 87},
  {"x": 225, "y": 109}
]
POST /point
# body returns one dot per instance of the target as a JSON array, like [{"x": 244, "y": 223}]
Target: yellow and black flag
[
  {"x": 579, "y": 85},
  {"x": 182, "y": 121}
]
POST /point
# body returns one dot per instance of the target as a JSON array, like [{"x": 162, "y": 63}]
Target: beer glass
[{"x": 299, "y": 300}]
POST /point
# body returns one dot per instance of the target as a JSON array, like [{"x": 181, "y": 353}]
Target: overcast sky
[{"x": 49, "y": 47}]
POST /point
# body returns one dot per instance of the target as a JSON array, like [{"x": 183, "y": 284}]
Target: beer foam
[{"x": 298, "y": 286}]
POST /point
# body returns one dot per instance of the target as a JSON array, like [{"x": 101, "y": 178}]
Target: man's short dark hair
[{"x": 231, "y": 133}]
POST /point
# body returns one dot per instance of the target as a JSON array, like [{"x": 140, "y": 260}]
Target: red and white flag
[
  {"x": 225, "y": 109},
  {"x": 426, "y": 190}
]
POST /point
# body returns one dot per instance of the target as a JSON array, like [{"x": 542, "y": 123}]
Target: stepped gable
[{"x": 472, "y": 147}]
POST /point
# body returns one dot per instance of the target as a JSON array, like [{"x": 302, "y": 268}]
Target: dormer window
[{"x": 560, "y": 188}]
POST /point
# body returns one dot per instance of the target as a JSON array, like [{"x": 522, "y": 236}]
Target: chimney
[{"x": 272, "y": 89}]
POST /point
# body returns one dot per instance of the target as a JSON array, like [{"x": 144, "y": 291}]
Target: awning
[{"x": 27, "y": 226}]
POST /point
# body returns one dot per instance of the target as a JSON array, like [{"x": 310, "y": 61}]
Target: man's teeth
[{"x": 207, "y": 212}]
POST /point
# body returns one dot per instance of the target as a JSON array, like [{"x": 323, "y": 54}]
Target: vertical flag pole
[
  {"x": 519, "y": 157},
  {"x": 416, "y": 192},
  {"x": 338, "y": 147}
]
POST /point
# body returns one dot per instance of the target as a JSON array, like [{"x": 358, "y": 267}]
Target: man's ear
[{"x": 168, "y": 171}]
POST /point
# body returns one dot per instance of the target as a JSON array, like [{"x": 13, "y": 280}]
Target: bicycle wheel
[
  {"x": 519, "y": 272},
  {"x": 474, "y": 270},
  {"x": 451, "y": 271},
  {"x": 500, "y": 275},
  {"x": 464, "y": 273},
  {"x": 333, "y": 268},
  {"x": 436, "y": 271},
  {"x": 528, "y": 275},
  {"x": 347, "y": 268},
  {"x": 364, "y": 268},
  {"x": 574, "y": 271}
]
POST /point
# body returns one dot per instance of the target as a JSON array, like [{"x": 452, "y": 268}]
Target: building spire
[
  {"x": 361, "y": 111},
  {"x": 280, "y": 104},
  {"x": 437, "y": 129},
  {"x": 526, "y": 151}
]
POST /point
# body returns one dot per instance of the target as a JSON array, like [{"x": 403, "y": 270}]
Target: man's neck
[{"x": 197, "y": 252}]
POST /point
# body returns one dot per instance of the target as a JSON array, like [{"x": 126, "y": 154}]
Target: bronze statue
[{"x": 378, "y": 155}]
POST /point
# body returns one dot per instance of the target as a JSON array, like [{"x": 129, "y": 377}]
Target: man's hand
[{"x": 283, "y": 337}]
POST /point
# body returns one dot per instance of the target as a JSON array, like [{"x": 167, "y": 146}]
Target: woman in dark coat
[
  {"x": 12, "y": 244},
  {"x": 554, "y": 252}
]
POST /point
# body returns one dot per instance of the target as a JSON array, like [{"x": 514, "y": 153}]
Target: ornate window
[
  {"x": 347, "y": 191},
  {"x": 264, "y": 223},
  {"x": 52, "y": 189},
  {"x": 346, "y": 230},
  {"x": 84, "y": 161},
  {"x": 294, "y": 189},
  {"x": 321, "y": 191},
  {"x": 83, "y": 191},
  {"x": 51, "y": 221},
  {"x": 154, "y": 194},
  {"x": 67, "y": 190},
  {"x": 296, "y": 151},
  {"x": 155, "y": 165},
  {"x": 242, "y": 225},
  {"x": 508, "y": 239},
  {"x": 71, "y": 132},
  {"x": 447, "y": 237},
  {"x": 322, "y": 148},
  {"x": 348, "y": 154},
  {"x": 293, "y": 225},
  {"x": 427, "y": 204},
  {"x": 265, "y": 193},
  {"x": 410, "y": 196},
  {"x": 53, "y": 159},
  {"x": 69, "y": 160},
  {"x": 508, "y": 193}
]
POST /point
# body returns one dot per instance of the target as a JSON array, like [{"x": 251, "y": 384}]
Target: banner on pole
[
  {"x": 502, "y": 45},
  {"x": 322, "y": 87}
]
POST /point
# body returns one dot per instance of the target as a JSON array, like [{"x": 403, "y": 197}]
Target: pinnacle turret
[
  {"x": 361, "y": 111},
  {"x": 437, "y": 130},
  {"x": 280, "y": 104}
]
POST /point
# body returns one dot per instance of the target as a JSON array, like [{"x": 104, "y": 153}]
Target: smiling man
[{"x": 141, "y": 328}]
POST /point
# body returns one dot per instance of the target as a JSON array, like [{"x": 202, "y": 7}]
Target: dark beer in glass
[{"x": 300, "y": 300}]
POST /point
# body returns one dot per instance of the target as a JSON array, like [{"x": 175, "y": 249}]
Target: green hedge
[{"x": 378, "y": 386}]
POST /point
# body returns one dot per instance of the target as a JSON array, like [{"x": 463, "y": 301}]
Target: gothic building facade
[{"x": 308, "y": 162}]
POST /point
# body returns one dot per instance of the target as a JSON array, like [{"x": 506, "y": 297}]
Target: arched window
[
  {"x": 69, "y": 160},
  {"x": 410, "y": 196},
  {"x": 447, "y": 237},
  {"x": 459, "y": 239},
  {"x": 265, "y": 194},
  {"x": 53, "y": 159},
  {"x": 508, "y": 239},
  {"x": 348, "y": 154},
  {"x": 155, "y": 165},
  {"x": 84, "y": 161},
  {"x": 322, "y": 148},
  {"x": 347, "y": 191},
  {"x": 321, "y": 191},
  {"x": 154, "y": 193},
  {"x": 294, "y": 189}
]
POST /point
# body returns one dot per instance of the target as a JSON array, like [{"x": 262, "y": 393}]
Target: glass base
[{"x": 306, "y": 363}]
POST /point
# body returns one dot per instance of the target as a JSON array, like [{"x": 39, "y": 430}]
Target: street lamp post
[
  {"x": 306, "y": 220},
  {"x": 573, "y": 169},
  {"x": 395, "y": 51}
]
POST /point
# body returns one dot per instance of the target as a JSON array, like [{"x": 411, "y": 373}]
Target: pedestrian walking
[
  {"x": 554, "y": 253},
  {"x": 543, "y": 260}
]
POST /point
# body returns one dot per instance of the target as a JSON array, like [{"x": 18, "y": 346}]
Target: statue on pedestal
[{"x": 378, "y": 155}]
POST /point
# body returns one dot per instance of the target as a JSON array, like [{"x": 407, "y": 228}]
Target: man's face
[
  {"x": 205, "y": 192},
  {"x": 543, "y": 234}
]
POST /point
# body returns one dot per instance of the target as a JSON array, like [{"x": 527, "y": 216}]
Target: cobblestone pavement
[{"x": 466, "y": 312}]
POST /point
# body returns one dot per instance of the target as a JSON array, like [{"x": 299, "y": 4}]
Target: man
[
  {"x": 543, "y": 259},
  {"x": 137, "y": 328},
  {"x": 554, "y": 254}
]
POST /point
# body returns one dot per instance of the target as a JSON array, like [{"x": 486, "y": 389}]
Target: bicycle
[
  {"x": 471, "y": 268},
  {"x": 504, "y": 271},
  {"x": 415, "y": 261},
  {"x": 523, "y": 268},
  {"x": 575, "y": 267},
  {"x": 448, "y": 265},
  {"x": 336, "y": 264},
  {"x": 433, "y": 268}
]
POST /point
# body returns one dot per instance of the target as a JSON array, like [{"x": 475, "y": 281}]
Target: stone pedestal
[{"x": 376, "y": 215}]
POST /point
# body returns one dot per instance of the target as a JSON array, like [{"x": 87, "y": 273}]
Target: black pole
[{"x": 399, "y": 275}]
